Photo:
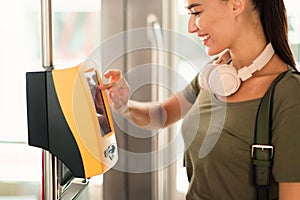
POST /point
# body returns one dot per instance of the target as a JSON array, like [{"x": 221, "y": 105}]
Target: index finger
[
  {"x": 114, "y": 74},
  {"x": 105, "y": 86}
]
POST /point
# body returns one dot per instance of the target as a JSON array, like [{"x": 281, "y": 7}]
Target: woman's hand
[{"x": 118, "y": 91}]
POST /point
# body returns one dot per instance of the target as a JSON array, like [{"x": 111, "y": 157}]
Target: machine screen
[{"x": 98, "y": 102}]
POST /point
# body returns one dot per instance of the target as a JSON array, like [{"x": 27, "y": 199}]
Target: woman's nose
[{"x": 192, "y": 27}]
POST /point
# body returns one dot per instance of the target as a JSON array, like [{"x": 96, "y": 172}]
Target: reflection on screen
[{"x": 99, "y": 103}]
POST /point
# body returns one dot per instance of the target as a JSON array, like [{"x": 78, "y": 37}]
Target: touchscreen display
[{"x": 98, "y": 102}]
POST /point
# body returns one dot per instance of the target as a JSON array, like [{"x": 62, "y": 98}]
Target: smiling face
[{"x": 214, "y": 21}]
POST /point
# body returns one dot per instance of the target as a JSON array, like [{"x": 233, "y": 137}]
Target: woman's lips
[{"x": 204, "y": 38}]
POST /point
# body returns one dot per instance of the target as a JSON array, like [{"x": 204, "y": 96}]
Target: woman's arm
[
  {"x": 289, "y": 191},
  {"x": 153, "y": 115},
  {"x": 150, "y": 115}
]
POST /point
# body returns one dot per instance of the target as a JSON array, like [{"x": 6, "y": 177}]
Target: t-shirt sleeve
[
  {"x": 191, "y": 91},
  {"x": 286, "y": 131}
]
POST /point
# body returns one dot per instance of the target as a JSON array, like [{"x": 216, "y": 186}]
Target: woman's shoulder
[
  {"x": 288, "y": 89},
  {"x": 290, "y": 81}
]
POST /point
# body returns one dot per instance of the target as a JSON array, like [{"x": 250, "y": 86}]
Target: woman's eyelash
[{"x": 194, "y": 13}]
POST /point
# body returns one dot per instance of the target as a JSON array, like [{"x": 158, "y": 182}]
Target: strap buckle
[{"x": 262, "y": 147}]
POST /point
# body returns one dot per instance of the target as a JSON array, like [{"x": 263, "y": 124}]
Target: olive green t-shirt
[{"x": 218, "y": 138}]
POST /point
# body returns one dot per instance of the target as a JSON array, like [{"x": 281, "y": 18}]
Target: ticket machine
[{"x": 69, "y": 116}]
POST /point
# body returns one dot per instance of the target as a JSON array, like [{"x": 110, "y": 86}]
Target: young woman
[{"x": 242, "y": 32}]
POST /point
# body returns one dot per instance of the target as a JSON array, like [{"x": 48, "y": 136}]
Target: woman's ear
[{"x": 238, "y": 6}]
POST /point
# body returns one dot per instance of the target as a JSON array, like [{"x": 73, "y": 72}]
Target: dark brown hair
[{"x": 274, "y": 20}]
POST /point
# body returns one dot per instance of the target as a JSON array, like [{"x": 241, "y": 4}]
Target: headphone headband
[
  {"x": 265, "y": 56},
  {"x": 224, "y": 79}
]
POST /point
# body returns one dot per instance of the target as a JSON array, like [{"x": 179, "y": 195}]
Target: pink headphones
[{"x": 224, "y": 79}]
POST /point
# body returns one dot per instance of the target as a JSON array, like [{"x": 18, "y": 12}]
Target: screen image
[{"x": 97, "y": 96}]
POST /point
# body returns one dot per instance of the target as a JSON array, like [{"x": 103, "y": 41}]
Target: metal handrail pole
[
  {"x": 47, "y": 44},
  {"x": 49, "y": 161}
]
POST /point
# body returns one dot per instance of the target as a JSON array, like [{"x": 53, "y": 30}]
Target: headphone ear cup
[
  {"x": 222, "y": 79},
  {"x": 204, "y": 76}
]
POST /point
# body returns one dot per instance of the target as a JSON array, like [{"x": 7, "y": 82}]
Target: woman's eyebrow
[{"x": 192, "y": 5}]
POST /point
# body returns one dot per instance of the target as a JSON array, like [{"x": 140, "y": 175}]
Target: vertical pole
[
  {"x": 49, "y": 161},
  {"x": 49, "y": 176},
  {"x": 47, "y": 50}
]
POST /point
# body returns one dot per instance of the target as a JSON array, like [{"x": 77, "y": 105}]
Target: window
[
  {"x": 294, "y": 28},
  {"x": 76, "y": 31}
]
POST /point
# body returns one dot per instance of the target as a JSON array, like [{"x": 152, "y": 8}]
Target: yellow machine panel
[{"x": 69, "y": 116}]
